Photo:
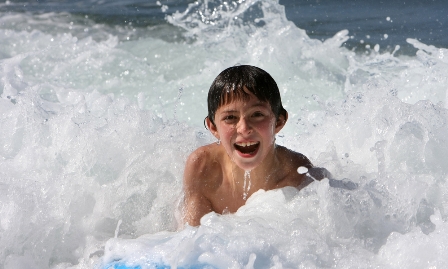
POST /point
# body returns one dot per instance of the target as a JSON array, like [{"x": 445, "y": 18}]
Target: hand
[
  {"x": 315, "y": 173},
  {"x": 319, "y": 173}
]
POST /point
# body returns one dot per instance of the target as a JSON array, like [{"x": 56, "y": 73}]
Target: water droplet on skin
[
  {"x": 247, "y": 183},
  {"x": 302, "y": 170}
]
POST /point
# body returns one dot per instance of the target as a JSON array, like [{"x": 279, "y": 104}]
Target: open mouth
[{"x": 248, "y": 148}]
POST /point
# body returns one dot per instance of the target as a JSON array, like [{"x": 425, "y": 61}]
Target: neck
[{"x": 261, "y": 176}]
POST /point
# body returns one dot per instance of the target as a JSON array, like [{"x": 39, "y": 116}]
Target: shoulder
[
  {"x": 293, "y": 158},
  {"x": 202, "y": 167},
  {"x": 291, "y": 161},
  {"x": 203, "y": 156},
  {"x": 202, "y": 172}
]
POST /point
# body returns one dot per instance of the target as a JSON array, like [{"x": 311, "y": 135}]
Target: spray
[{"x": 247, "y": 183}]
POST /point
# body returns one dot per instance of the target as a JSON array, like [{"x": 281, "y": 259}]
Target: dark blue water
[
  {"x": 387, "y": 23},
  {"x": 426, "y": 21}
]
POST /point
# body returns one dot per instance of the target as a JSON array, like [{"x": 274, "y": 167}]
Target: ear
[
  {"x": 212, "y": 128},
  {"x": 281, "y": 121}
]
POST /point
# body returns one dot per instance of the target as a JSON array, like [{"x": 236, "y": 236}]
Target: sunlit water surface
[{"x": 97, "y": 121}]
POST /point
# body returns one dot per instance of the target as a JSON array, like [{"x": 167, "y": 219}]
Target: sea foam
[{"x": 95, "y": 131}]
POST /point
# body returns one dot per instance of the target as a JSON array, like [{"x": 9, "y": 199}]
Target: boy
[{"x": 244, "y": 114}]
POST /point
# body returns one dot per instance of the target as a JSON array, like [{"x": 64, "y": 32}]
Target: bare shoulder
[
  {"x": 291, "y": 161},
  {"x": 292, "y": 158},
  {"x": 198, "y": 158},
  {"x": 201, "y": 176},
  {"x": 202, "y": 167}
]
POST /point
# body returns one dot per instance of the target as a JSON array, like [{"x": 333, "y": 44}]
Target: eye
[
  {"x": 257, "y": 114},
  {"x": 230, "y": 119}
]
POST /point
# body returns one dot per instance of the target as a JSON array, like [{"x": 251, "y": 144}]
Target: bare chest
[{"x": 231, "y": 195}]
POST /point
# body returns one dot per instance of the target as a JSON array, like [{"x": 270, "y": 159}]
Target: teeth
[{"x": 246, "y": 144}]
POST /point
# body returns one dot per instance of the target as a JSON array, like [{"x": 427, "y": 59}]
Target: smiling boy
[{"x": 244, "y": 113}]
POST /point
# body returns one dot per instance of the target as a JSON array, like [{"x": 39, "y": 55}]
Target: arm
[
  {"x": 319, "y": 173},
  {"x": 196, "y": 204}
]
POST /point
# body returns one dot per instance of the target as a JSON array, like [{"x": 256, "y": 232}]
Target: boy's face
[{"x": 247, "y": 130}]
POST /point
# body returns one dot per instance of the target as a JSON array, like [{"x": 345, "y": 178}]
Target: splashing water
[
  {"x": 302, "y": 170},
  {"x": 246, "y": 182},
  {"x": 95, "y": 130}
]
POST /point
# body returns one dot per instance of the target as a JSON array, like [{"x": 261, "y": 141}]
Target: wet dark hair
[{"x": 231, "y": 83}]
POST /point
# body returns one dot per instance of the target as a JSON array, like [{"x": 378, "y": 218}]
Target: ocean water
[{"x": 102, "y": 101}]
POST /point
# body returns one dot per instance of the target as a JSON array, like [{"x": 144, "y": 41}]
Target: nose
[{"x": 243, "y": 126}]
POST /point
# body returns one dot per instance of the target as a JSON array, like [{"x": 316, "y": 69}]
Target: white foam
[{"x": 95, "y": 130}]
